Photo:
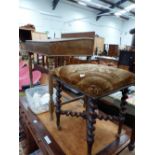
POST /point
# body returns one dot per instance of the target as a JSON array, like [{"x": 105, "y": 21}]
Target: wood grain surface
[
  {"x": 72, "y": 137},
  {"x": 62, "y": 47}
]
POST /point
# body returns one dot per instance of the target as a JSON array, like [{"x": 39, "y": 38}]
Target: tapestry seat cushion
[{"x": 94, "y": 79}]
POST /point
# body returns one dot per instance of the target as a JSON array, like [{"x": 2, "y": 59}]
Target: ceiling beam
[
  {"x": 86, "y": 5},
  {"x": 112, "y": 4},
  {"x": 119, "y": 3},
  {"x": 132, "y": 1},
  {"x": 108, "y": 2},
  {"x": 126, "y": 18},
  {"x": 102, "y": 12},
  {"x": 55, "y": 3},
  {"x": 94, "y": 8},
  {"x": 111, "y": 14}
]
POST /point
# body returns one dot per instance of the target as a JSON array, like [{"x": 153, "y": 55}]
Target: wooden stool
[{"x": 93, "y": 81}]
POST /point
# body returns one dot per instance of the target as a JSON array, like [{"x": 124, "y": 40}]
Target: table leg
[
  {"x": 51, "y": 103},
  {"x": 43, "y": 60},
  {"x": 58, "y": 104},
  {"x": 122, "y": 110},
  {"x": 132, "y": 139},
  {"x": 90, "y": 109},
  {"x": 30, "y": 70},
  {"x": 37, "y": 59},
  {"x": 47, "y": 64}
]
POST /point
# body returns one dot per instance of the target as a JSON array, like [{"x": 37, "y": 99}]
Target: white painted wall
[
  {"x": 126, "y": 36},
  {"x": 69, "y": 18}
]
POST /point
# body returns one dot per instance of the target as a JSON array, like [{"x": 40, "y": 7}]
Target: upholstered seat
[{"x": 93, "y": 79}]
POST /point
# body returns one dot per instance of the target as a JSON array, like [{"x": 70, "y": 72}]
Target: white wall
[
  {"x": 126, "y": 36},
  {"x": 69, "y": 18}
]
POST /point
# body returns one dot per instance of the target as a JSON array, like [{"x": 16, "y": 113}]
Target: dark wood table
[
  {"x": 37, "y": 129},
  {"x": 107, "y": 60},
  {"x": 34, "y": 128}
]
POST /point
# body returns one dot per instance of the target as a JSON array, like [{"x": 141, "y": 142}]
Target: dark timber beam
[
  {"x": 119, "y": 3},
  {"x": 99, "y": 15},
  {"x": 111, "y": 14},
  {"x": 132, "y": 1},
  {"x": 108, "y": 2},
  {"x": 101, "y": 10},
  {"x": 126, "y": 18},
  {"x": 73, "y": 1},
  {"x": 112, "y": 4},
  {"x": 55, "y": 3},
  {"x": 95, "y": 8}
]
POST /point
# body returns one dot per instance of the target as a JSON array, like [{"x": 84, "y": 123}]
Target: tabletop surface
[
  {"x": 61, "y": 47},
  {"x": 59, "y": 40},
  {"x": 107, "y": 57},
  {"x": 60, "y": 141}
]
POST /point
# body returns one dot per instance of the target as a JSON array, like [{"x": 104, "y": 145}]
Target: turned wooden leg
[
  {"x": 37, "y": 59},
  {"x": 58, "y": 104},
  {"x": 47, "y": 63},
  {"x": 43, "y": 61},
  {"x": 132, "y": 139},
  {"x": 90, "y": 109},
  {"x": 122, "y": 110},
  {"x": 51, "y": 103},
  {"x": 30, "y": 70}
]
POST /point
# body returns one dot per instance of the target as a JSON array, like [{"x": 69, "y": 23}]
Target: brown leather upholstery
[{"x": 93, "y": 79}]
